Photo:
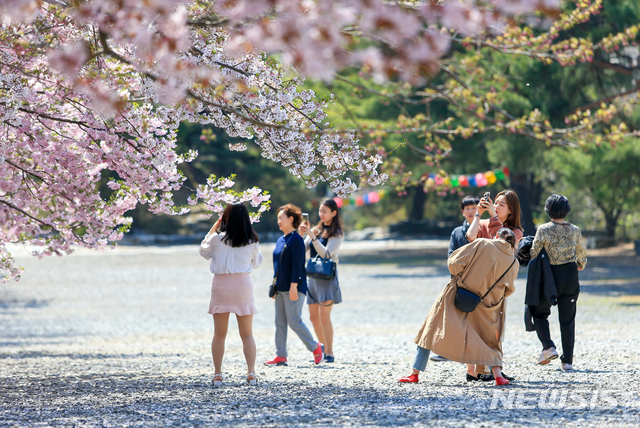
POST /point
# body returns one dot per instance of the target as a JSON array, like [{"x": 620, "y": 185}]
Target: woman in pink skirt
[{"x": 232, "y": 246}]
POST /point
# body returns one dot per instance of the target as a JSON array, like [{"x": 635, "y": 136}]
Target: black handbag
[
  {"x": 466, "y": 301},
  {"x": 320, "y": 268}
]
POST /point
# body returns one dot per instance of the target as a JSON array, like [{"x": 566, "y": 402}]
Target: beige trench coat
[{"x": 473, "y": 337}]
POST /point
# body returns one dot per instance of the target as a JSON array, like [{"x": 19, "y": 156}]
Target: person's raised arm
[
  {"x": 205, "y": 245},
  {"x": 332, "y": 247},
  {"x": 305, "y": 229},
  {"x": 483, "y": 205},
  {"x": 472, "y": 232}
]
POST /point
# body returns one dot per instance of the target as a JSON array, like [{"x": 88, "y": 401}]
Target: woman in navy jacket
[{"x": 291, "y": 281}]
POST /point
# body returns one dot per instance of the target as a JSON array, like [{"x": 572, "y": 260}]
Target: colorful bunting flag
[
  {"x": 372, "y": 197},
  {"x": 480, "y": 179}
]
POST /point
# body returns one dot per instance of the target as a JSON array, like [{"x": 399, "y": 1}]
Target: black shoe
[
  {"x": 329, "y": 359},
  {"x": 509, "y": 378},
  {"x": 483, "y": 377}
]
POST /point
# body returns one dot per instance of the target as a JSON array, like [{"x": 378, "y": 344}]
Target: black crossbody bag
[{"x": 466, "y": 301}]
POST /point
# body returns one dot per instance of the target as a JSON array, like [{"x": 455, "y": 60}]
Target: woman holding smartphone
[
  {"x": 504, "y": 212},
  {"x": 324, "y": 240}
]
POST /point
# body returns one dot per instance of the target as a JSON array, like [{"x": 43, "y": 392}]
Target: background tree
[
  {"x": 608, "y": 175},
  {"x": 511, "y": 98},
  {"x": 98, "y": 89}
]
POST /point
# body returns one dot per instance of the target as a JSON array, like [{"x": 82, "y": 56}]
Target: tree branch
[{"x": 36, "y": 219}]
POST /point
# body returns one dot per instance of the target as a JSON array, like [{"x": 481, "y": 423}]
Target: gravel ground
[{"x": 123, "y": 339}]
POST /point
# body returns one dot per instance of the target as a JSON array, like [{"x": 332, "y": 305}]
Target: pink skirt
[{"x": 232, "y": 293}]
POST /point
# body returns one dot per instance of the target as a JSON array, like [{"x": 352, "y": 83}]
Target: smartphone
[
  {"x": 305, "y": 217},
  {"x": 487, "y": 195}
]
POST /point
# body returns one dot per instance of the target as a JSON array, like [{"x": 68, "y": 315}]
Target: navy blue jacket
[
  {"x": 458, "y": 237},
  {"x": 292, "y": 268}
]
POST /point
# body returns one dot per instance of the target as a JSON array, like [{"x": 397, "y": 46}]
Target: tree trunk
[
  {"x": 417, "y": 207},
  {"x": 611, "y": 221},
  {"x": 523, "y": 186}
]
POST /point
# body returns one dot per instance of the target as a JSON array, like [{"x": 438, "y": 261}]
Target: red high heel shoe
[{"x": 502, "y": 381}]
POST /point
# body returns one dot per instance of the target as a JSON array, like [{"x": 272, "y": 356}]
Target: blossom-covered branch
[{"x": 92, "y": 93}]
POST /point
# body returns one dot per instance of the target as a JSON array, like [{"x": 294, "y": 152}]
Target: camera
[
  {"x": 487, "y": 195},
  {"x": 305, "y": 217}
]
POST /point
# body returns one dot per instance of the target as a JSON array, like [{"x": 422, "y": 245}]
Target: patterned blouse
[{"x": 563, "y": 243}]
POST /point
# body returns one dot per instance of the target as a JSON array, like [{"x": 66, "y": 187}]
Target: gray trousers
[{"x": 289, "y": 313}]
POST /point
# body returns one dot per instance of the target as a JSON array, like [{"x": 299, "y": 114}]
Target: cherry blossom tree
[{"x": 95, "y": 90}]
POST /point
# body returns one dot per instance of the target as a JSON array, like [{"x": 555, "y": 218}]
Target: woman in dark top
[{"x": 291, "y": 281}]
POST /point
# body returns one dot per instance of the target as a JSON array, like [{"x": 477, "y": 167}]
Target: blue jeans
[{"x": 421, "y": 359}]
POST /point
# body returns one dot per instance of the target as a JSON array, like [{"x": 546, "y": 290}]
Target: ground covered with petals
[{"x": 122, "y": 339}]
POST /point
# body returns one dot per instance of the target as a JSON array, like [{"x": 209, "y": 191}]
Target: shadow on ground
[{"x": 134, "y": 399}]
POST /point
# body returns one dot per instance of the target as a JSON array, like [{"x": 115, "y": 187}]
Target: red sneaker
[
  {"x": 277, "y": 361},
  {"x": 409, "y": 379},
  {"x": 318, "y": 355}
]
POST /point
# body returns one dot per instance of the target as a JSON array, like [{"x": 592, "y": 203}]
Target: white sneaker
[
  {"x": 567, "y": 367},
  {"x": 547, "y": 355}
]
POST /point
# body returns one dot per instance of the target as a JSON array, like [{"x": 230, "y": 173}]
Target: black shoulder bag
[{"x": 467, "y": 301}]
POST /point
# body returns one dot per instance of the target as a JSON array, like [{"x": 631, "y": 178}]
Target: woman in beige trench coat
[{"x": 474, "y": 337}]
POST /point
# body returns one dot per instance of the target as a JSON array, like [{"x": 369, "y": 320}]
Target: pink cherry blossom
[{"x": 98, "y": 98}]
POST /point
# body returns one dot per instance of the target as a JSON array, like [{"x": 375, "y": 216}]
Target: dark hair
[
  {"x": 513, "y": 203},
  {"x": 469, "y": 200},
  {"x": 557, "y": 206},
  {"x": 236, "y": 225},
  {"x": 336, "y": 228},
  {"x": 507, "y": 234},
  {"x": 291, "y": 210}
]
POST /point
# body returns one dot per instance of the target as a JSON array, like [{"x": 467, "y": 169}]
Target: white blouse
[{"x": 227, "y": 259}]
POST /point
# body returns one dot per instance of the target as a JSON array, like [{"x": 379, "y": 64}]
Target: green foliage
[
  {"x": 630, "y": 225},
  {"x": 608, "y": 175}
]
